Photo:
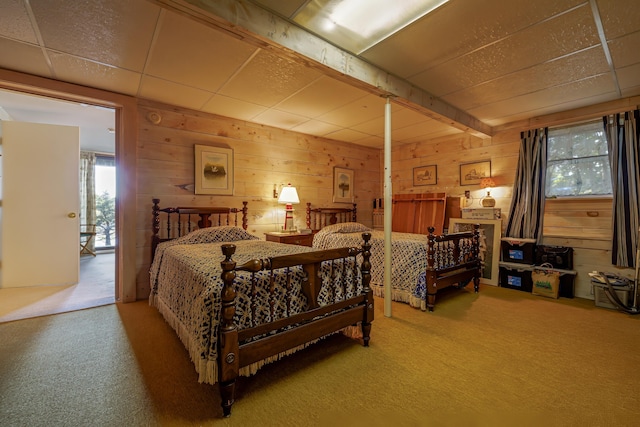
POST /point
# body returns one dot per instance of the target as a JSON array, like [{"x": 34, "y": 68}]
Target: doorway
[{"x": 97, "y": 128}]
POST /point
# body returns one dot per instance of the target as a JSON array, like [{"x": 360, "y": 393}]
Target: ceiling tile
[
  {"x": 587, "y": 63},
  {"x": 87, "y": 73},
  {"x": 268, "y": 79},
  {"x": 190, "y": 53},
  {"x": 23, "y": 57},
  {"x": 629, "y": 79},
  {"x": 173, "y": 93},
  {"x": 280, "y": 119},
  {"x": 321, "y": 96},
  {"x": 116, "y": 32},
  {"x": 15, "y": 23},
  {"x": 364, "y": 109},
  {"x": 426, "y": 129},
  {"x": 230, "y": 107},
  {"x": 560, "y": 36},
  {"x": 625, "y": 50},
  {"x": 348, "y": 135},
  {"x": 619, "y": 17},
  {"x": 316, "y": 127}
]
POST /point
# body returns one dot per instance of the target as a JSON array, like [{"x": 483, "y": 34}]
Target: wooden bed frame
[
  {"x": 320, "y": 217},
  {"x": 460, "y": 265},
  {"x": 179, "y": 221},
  {"x": 238, "y": 348}
]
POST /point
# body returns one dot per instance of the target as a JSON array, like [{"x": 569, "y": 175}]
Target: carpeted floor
[
  {"x": 497, "y": 358},
  {"x": 96, "y": 288}
]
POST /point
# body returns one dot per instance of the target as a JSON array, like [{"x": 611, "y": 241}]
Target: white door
[{"x": 41, "y": 201}]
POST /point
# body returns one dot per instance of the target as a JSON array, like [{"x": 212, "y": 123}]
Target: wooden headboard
[
  {"x": 415, "y": 213},
  {"x": 320, "y": 217},
  {"x": 179, "y": 220}
]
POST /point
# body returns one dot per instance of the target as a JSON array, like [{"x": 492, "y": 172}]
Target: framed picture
[
  {"x": 214, "y": 170},
  {"x": 343, "y": 191},
  {"x": 490, "y": 232},
  {"x": 472, "y": 173},
  {"x": 425, "y": 175}
]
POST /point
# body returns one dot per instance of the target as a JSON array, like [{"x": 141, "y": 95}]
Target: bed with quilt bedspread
[
  {"x": 420, "y": 264},
  {"x": 238, "y": 302}
]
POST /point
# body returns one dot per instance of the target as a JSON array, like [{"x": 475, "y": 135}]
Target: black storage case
[
  {"x": 520, "y": 251},
  {"x": 559, "y": 256},
  {"x": 516, "y": 278}
]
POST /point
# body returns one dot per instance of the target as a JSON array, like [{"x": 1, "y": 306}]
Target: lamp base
[{"x": 488, "y": 201}]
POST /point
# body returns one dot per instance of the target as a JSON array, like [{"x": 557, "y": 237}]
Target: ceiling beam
[{"x": 266, "y": 30}]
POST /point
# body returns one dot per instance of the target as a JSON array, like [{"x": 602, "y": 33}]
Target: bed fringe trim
[
  {"x": 400, "y": 296},
  {"x": 208, "y": 369}
]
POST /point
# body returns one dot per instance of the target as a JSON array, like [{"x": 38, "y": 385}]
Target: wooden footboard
[
  {"x": 240, "y": 348},
  {"x": 452, "y": 259}
]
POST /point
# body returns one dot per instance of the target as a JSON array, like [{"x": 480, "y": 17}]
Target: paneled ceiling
[{"x": 467, "y": 66}]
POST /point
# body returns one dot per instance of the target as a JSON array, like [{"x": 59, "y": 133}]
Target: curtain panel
[
  {"x": 527, "y": 204},
  {"x": 88, "y": 191},
  {"x": 622, "y": 139}
]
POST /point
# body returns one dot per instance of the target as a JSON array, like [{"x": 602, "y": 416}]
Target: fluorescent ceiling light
[{"x": 356, "y": 25}]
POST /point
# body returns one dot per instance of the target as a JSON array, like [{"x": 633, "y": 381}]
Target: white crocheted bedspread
[
  {"x": 186, "y": 289},
  {"x": 408, "y": 259}
]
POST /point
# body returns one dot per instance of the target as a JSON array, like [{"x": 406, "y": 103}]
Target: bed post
[
  {"x": 476, "y": 254},
  {"x": 431, "y": 270},
  {"x": 365, "y": 269},
  {"x": 228, "y": 348},
  {"x": 308, "y": 214},
  {"x": 156, "y": 227},
  {"x": 244, "y": 215},
  {"x": 354, "y": 216}
]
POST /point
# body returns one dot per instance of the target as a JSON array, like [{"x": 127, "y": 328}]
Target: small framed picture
[
  {"x": 473, "y": 173},
  {"x": 425, "y": 175},
  {"x": 343, "y": 183},
  {"x": 214, "y": 170}
]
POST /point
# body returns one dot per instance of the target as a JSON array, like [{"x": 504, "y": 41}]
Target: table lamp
[
  {"x": 289, "y": 197},
  {"x": 488, "y": 201}
]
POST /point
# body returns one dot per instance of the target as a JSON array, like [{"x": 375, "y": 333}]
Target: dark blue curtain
[
  {"x": 527, "y": 204},
  {"x": 622, "y": 138}
]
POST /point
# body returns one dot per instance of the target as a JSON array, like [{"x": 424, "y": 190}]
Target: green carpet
[{"x": 500, "y": 357}]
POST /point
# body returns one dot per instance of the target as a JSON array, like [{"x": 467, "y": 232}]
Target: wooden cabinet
[{"x": 290, "y": 238}]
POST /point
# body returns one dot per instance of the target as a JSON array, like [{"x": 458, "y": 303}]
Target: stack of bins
[{"x": 517, "y": 262}]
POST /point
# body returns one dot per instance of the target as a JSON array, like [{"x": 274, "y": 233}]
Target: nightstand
[{"x": 290, "y": 238}]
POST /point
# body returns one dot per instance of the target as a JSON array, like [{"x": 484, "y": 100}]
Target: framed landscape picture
[
  {"x": 473, "y": 173},
  {"x": 214, "y": 170},
  {"x": 490, "y": 234},
  {"x": 425, "y": 175},
  {"x": 343, "y": 191}
]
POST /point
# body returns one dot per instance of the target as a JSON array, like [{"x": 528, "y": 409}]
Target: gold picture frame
[
  {"x": 425, "y": 175},
  {"x": 213, "y": 170},
  {"x": 473, "y": 173},
  {"x": 343, "y": 185},
  {"x": 490, "y": 240}
]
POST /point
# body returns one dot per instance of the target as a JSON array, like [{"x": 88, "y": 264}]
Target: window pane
[{"x": 577, "y": 161}]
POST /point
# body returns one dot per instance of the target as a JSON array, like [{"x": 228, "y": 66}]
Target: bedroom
[{"x": 305, "y": 160}]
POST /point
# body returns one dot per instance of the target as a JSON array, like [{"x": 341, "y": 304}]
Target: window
[
  {"x": 578, "y": 161},
  {"x": 105, "y": 201}
]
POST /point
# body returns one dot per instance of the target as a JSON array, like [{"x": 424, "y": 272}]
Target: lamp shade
[
  {"x": 288, "y": 195},
  {"x": 487, "y": 183}
]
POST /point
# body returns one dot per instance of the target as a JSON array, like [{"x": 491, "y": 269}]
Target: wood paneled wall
[{"x": 264, "y": 158}]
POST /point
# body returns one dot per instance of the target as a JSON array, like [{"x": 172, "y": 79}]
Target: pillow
[
  {"x": 345, "y": 227},
  {"x": 224, "y": 233}
]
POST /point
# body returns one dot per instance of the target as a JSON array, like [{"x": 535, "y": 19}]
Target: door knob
[{"x": 71, "y": 214}]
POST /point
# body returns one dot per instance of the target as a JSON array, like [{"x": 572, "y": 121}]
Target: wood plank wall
[{"x": 264, "y": 157}]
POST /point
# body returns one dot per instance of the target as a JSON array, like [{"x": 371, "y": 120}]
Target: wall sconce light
[
  {"x": 488, "y": 201},
  {"x": 289, "y": 197}
]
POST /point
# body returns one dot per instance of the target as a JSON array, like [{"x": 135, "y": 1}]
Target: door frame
[{"x": 125, "y": 108}]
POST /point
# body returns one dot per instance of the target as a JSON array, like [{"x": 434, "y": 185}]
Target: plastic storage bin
[
  {"x": 515, "y": 277},
  {"x": 520, "y": 251}
]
